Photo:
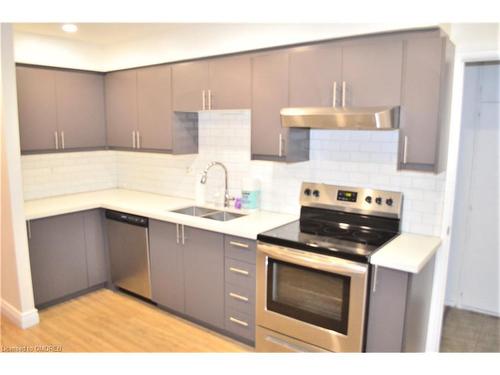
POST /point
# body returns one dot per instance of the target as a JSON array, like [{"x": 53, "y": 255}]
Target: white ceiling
[{"x": 100, "y": 33}]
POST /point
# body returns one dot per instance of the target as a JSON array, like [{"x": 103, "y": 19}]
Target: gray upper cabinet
[
  {"x": 372, "y": 73},
  {"x": 424, "y": 106},
  {"x": 154, "y": 102},
  {"x": 315, "y": 76},
  {"x": 167, "y": 266},
  {"x": 204, "y": 275},
  {"x": 80, "y": 109},
  {"x": 60, "y": 109},
  {"x": 121, "y": 108},
  {"x": 230, "y": 83},
  {"x": 269, "y": 95},
  {"x": 36, "y": 98},
  {"x": 57, "y": 256},
  {"x": 190, "y": 86}
]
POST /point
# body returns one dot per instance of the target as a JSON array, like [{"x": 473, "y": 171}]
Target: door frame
[{"x": 442, "y": 257}]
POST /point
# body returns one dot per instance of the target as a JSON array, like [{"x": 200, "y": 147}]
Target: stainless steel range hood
[{"x": 367, "y": 118}]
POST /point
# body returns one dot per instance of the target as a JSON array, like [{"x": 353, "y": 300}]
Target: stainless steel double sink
[{"x": 208, "y": 213}]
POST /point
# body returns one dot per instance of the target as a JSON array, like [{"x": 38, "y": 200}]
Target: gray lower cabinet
[
  {"x": 167, "y": 265},
  {"x": 67, "y": 255},
  {"x": 204, "y": 275},
  {"x": 240, "y": 286}
]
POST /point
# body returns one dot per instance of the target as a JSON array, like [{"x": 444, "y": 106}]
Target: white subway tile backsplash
[{"x": 357, "y": 158}]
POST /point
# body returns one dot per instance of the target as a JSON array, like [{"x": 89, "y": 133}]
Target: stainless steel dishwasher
[{"x": 129, "y": 252}]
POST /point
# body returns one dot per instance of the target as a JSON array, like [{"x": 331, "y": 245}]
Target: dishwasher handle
[{"x": 127, "y": 218}]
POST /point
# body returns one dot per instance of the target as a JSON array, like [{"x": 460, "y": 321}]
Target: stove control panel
[{"x": 352, "y": 199}]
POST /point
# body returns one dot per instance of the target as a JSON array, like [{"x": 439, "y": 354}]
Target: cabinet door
[
  {"x": 230, "y": 83},
  {"x": 36, "y": 99},
  {"x": 269, "y": 95},
  {"x": 121, "y": 107},
  {"x": 80, "y": 109},
  {"x": 189, "y": 80},
  {"x": 97, "y": 262},
  {"x": 314, "y": 71},
  {"x": 421, "y": 100},
  {"x": 154, "y": 102},
  {"x": 204, "y": 275},
  {"x": 57, "y": 257},
  {"x": 372, "y": 73},
  {"x": 167, "y": 268}
]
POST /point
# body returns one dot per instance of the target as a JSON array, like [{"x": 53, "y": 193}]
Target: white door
[{"x": 479, "y": 280}]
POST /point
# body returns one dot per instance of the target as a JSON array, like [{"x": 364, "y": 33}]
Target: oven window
[{"x": 312, "y": 296}]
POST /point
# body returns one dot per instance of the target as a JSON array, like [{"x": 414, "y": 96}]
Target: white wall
[
  {"x": 357, "y": 158},
  {"x": 181, "y": 41},
  {"x": 16, "y": 290},
  {"x": 51, "y": 51}
]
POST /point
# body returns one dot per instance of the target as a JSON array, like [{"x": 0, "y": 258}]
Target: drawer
[
  {"x": 240, "y": 248},
  {"x": 240, "y": 324},
  {"x": 240, "y": 298},
  {"x": 240, "y": 273}
]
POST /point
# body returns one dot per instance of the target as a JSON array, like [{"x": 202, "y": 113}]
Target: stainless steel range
[{"x": 313, "y": 274}]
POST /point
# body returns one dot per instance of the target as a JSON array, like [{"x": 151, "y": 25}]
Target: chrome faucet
[{"x": 203, "y": 180}]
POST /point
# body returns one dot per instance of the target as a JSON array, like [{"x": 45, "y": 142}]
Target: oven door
[{"x": 314, "y": 298}]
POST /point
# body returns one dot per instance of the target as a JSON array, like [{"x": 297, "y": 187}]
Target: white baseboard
[{"x": 23, "y": 319}]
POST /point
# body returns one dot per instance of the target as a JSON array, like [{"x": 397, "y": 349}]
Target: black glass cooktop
[{"x": 346, "y": 235}]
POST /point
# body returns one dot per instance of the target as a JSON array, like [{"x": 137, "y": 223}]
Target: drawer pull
[
  {"x": 239, "y": 244},
  {"x": 240, "y": 271},
  {"x": 237, "y": 321},
  {"x": 237, "y": 296}
]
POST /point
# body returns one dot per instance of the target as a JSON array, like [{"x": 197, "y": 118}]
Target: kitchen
[{"x": 141, "y": 159}]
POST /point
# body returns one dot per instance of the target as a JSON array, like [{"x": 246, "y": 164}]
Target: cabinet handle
[
  {"x": 237, "y": 321},
  {"x": 203, "y": 100},
  {"x": 239, "y": 244},
  {"x": 177, "y": 232},
  {"x": 56, "y": 140},
  {"x": 62, "y": 140},
  {"x": 237, "y": 296},
  {"x": 334, "y": 94},
  {"x": 405, "y": 149},
  {"x": 375, "y": 272},
  {"x": 183, "y": 237},
  {"x": 29, "y": 229},
  {"x": 133, "y": 139},
  {"x": 343, "y": 93},
  {"x": 209, "y": 99},
  {"x": 138, "y": 135},
  {"x": 280, "y": 147},
  {"x": 238, "y": 270}
]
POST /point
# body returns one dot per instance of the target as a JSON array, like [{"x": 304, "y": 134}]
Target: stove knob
[
  {"x": 389, "y": 201},
  {"x": 378, "y": 200},
  {"x": 368, "y": 199},
  {"x": 316, "y": 193},
  {"x": 307, "y": 192}
]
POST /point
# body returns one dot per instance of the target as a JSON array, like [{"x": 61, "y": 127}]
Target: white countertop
[
  {"x": 155, "y": 206},
  {"x": 407, "y": 252}
]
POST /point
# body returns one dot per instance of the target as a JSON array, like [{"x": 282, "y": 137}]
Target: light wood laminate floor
[
  {"x": 105, "y": 321},
  {"x": 467, "y": 331}
]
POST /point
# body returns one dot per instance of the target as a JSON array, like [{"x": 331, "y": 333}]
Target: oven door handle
[{"x": 312, "y": 260}]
